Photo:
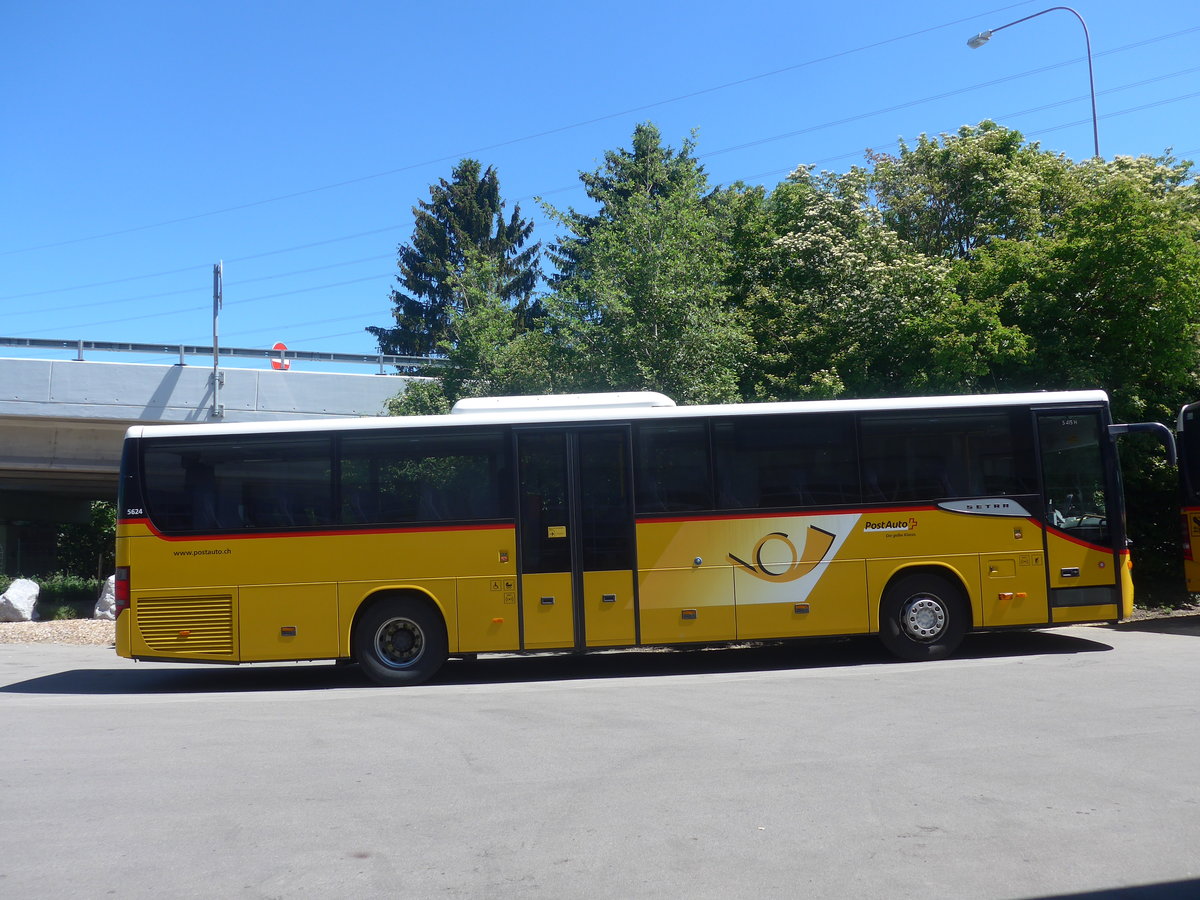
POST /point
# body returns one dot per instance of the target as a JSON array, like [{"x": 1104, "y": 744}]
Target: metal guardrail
[{"x": 406, "y": 365}]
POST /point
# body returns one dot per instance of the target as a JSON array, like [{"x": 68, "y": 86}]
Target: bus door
[
  {"x": 576, "y": 538},
  {"x": 1079, "y": 484},
  {"x": 1188, "y": 436}
]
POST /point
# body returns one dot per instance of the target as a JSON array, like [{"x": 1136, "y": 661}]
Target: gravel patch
[{"x": 101, "y": 632}]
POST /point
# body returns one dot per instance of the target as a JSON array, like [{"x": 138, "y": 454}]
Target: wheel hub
[
  {"x": 923, "y": 618},
  {"x": 400, "y": 642}
]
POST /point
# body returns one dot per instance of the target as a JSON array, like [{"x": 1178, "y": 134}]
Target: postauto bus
[{"x": 618, "y": 520}]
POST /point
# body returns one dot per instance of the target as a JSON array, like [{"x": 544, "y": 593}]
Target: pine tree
[
  {"x": 463, "y": 219},
  {"x": 640, "y": 299}
]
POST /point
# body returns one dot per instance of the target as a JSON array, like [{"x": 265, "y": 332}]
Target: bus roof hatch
[{"x": 616, "y": 400}]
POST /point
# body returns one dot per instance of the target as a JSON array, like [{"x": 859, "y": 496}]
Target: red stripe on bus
[
  {"x": 843, "y": 511},
  {"x": 1050, "y": 529}
]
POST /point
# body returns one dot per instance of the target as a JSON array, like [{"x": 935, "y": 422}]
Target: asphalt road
[{"x": 1033, "y": 765}]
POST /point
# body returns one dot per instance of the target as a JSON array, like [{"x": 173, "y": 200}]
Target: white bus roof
[
  {"x": 548, "y": 414},
  {"x": 617, "y": 400}
]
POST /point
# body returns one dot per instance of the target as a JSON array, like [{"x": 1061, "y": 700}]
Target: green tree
[
  {"x": 1110, "y": 298},
  {"x": 841, "y": 305},
  {"x": 641, "y": 299},
  {"x": 463, "y": 217},
  {"x": 87, "y": 549},
  {"x": 949, "y": 197},
  {"x": 420, "y": 398},
  {"x": 493, "y": 352}
]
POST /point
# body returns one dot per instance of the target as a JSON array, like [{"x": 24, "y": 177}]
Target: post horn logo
[{"x": 816, "y": 545}]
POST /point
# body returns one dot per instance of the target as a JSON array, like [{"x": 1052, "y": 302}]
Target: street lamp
[{"x": 984, "y": 36}]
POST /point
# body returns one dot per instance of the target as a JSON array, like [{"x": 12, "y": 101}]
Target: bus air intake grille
[{"x": 187, "y": 624}]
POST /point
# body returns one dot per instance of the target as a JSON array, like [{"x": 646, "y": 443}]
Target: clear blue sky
[{"x": 144, "y": 141}]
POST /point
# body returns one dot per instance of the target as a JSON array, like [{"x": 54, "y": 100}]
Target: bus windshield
[{"x": 1187, "y": 434}]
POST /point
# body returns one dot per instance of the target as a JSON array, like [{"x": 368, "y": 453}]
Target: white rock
[
  {"x": 18, "y": 603},
  {"x": 106, "y": 605}
]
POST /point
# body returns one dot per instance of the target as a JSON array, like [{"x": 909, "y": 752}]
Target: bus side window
[
  {"x": 933, "y": 455},
  {"x": 201, "y": 489},
  {"x": 402, "y": 477},
  {"x": 779, "y": 462},
  {"x": 672, "y": 466}
]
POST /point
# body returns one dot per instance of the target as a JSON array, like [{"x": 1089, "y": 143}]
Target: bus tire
[
  {"x": 400, "y": 641},
  {"x": 922, "y": 616}
]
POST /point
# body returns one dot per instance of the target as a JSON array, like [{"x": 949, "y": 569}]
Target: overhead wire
[
  {"x": 1009, "y": 116},
  {"x": 522, "y": 139},
  {"x": 381, "y": 277},
  {"x": 192, "y": 290},
  {"x": 1057, "y": 127},
  {"x": 846, "y": 120},
  {"x": 236, "y": 259},
  {"x": 929, "y": 99},
  {"x": 757, "y": 142},
  {"x": 576, "y": 186},
  {"x": 235, "y": 302},
  {"x": 837, "y": 122}
]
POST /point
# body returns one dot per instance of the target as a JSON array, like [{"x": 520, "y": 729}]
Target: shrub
[{"x": 60, "y": 595}]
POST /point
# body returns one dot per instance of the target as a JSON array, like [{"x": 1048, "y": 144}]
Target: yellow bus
[
  {"x": 617, "y": 521},
  {"x": 1187, "y": 432}
]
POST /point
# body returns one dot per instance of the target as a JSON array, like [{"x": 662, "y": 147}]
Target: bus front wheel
[
  {"x": 922, "y": 616},
  {"x": 400, "y": 641}
]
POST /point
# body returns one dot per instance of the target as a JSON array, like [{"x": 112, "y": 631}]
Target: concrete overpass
[{"x": 62, "y": 421}]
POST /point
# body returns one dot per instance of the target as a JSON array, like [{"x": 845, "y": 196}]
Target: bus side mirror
[{"x": 1162, "y": 432}]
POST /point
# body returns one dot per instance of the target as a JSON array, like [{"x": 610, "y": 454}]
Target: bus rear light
[{"x": 121, "y": 590}]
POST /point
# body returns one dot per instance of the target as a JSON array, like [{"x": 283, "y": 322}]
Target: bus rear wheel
[
  {"x": 922, "y": 616},
  {"x": 400, "y": 641}
]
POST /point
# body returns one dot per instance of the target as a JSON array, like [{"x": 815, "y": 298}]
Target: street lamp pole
[{"x": 984, "y": 36}]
